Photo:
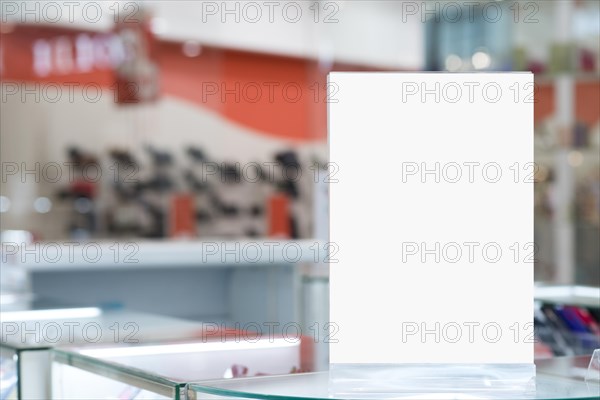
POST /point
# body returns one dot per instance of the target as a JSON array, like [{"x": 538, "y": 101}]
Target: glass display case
[
  {"x": 30, "y": 329},
  {"x": 555, "y": 379},
  {"x": 162, "y": 370}
]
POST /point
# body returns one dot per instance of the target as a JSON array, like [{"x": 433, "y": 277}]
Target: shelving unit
[{"x": 214, "y": 281}]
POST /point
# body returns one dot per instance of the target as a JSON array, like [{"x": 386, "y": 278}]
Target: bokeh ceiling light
[
  {"x": 42, "y": 205},
  {"x": 481, "y": 60},
  {"x": 191, "y": 48},
  {"x": 453, "y": 63},
  {"x": 7, "y": 28},
  {"x": 575, "y": 158},
  {"x": 158, "y": 26},
  {"x": 83, "y": 205},
  {"x": 4, "y": 204}
]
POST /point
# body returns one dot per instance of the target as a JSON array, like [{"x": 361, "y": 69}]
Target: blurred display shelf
[
  {"x": 162, "y": 370},
  {"x": 568, "y": 295},
  {"x": 554, "y": 381},
  {"x": 209, "y": 280},
  {"x": 29, "y": 335},
  {"x": 144, "y": 254}
]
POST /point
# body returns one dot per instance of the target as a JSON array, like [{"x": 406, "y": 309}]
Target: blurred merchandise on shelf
[
  {"x": 567, "y": 321},
  {"x": 192, "y": 197}
]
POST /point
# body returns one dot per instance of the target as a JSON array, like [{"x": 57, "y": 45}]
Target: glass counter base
[{"x": 375, "y": 381}]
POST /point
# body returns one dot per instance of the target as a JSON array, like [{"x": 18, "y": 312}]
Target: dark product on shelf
[
  {"x": 545, "y": 333},
  {"x": 256, "y": 210},
  {"x": 203, "y": 216},
  {"x": 196, "y": 185},
  {"x": 227, "y": 172},
  {"x": 290, "y": 169},
  {"x": 553, "y": 319},
  {"x": 161, "y": 180},
  {"x": 81, "y": 192},
  {"x": 595, "y": 312},
  {"x": 230, "y": 173},
  {"x": 140, "y": 200},
  {"x": 587, "y": 60},
  {"x": 196, "y": 154},
  {"x": 123, "y": 216},
  {"x": 222, "y": 208},
  {"x": 125, "y": 170},
  {"x": 580, "y": 135},
  {"x": 199, "y": 187}
]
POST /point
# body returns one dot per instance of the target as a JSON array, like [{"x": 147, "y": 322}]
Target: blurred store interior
[{"x": 149, "y": 149}]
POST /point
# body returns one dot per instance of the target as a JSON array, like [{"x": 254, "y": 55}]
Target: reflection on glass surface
[
  {"x": 8, "y": 376},
  {"x": 555, "y": 380},
  {"x": 155, "y": 350}
]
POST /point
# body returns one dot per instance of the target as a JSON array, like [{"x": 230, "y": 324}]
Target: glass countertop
[
  {"x": 558, "y": 378},
  {"x": 165, "y": 367}
]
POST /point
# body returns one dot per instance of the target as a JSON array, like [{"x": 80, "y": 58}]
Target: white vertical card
[{"x": 431, "y": 214}]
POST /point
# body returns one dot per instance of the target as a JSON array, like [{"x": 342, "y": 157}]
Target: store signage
[
  {"x": 431, "y": 214},
  {"x": 58, "y": 55},
  {"x": 125, "y": 59},
  {"x": 73, "y": 54}
]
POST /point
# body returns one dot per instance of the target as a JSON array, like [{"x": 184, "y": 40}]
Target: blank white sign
[{"x": 431, "y": 214}]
